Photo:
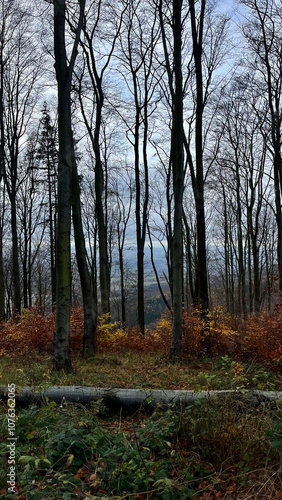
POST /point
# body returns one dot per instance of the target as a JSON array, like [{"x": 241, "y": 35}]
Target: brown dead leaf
[
  {"x": 81, "y": 473},
  {"x": 206, "y": 496}
]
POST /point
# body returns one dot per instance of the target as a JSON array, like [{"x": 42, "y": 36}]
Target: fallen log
[{"x": 132, "y": 399}]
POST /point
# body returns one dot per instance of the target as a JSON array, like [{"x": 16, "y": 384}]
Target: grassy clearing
[{"x": 135, "y": 370}]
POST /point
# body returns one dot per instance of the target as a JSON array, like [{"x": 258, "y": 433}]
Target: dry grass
[{"x": 133, "y": 370}]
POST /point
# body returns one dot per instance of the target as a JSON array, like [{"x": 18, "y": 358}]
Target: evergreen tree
[{"x": 48, "y": 156}]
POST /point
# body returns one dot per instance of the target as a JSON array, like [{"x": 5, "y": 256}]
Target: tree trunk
[
  {"x": 241, "y": 266},
  {"x": 2, "y": 286},
  {"x": 139, "y": 242},
  {"x": 169, "y": 230},
  {"x": 61, "y": 344},
  {"x": 177, "y": 157},
  {"x": 226, "y": 252},
  {"x": 89, "y": 302},
  {"x": 122, "y": 286},
  {"x": 189, "y": 260},
  {"x": 202, "y": 276},
  {"x": 155, "y": 270},
  {"x": 277, "y": 166},
  {"x": 15, "y": 255},
  {"x": 132, "y": 399},
  {"x": 102, "y": 227},
  {"x": 2, "y": 167},
  {"x": 66, "y": 172},
  {"x": 52, "y": 224},
  {"x": 121, "y": 240}
]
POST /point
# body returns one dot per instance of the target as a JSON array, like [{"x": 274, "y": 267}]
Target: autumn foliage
[
  {"x": 261, "y": 337},
  {"x": 258, "y": 337}
]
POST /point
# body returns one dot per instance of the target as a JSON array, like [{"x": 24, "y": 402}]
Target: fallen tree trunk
[{"x": 132, "y": 399}]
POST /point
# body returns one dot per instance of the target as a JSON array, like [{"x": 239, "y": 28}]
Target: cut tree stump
[{"x": 132, "y": 399}]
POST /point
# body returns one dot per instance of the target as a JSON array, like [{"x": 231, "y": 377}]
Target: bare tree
[
  {"x": 263, "y": 31},
  {"x": 31, "y": 223},
  {"x": 122, "y": 210},
  {"x": 68, "y": 197},
  {"x": 137, "y": 68},
  {"x": 90, "y": 80},
  {"x": 175, "y": 79},
  {"x": 244, "y": 179},
  {"x": 19, "y": 74}
]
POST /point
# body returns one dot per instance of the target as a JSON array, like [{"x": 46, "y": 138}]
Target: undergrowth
[
  {"x": 201, "y": 452},
  {"x": 258, "y": 337}
]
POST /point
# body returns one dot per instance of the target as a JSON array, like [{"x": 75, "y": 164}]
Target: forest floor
[{"x": 207, "y": 451}]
